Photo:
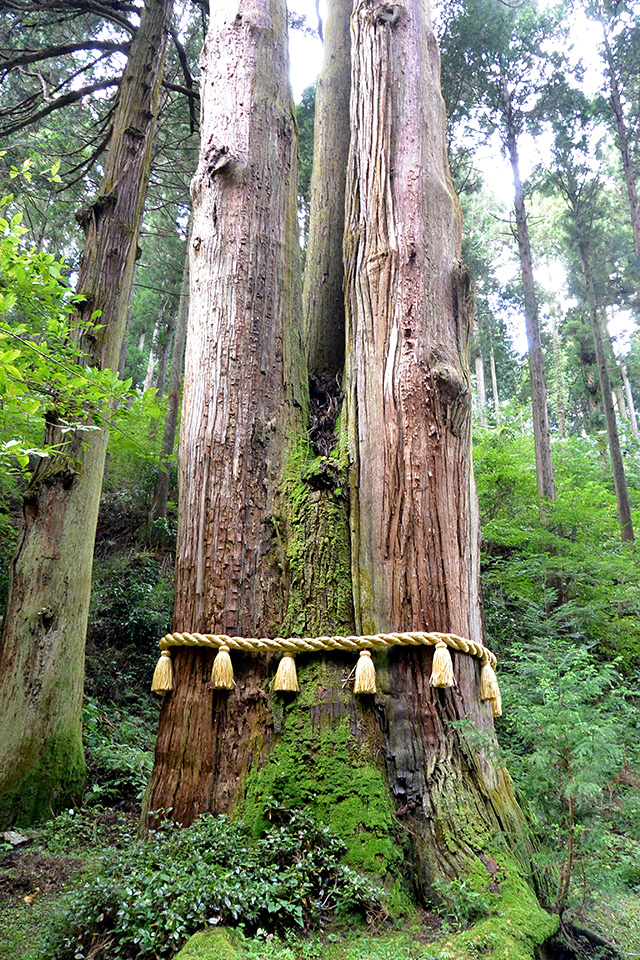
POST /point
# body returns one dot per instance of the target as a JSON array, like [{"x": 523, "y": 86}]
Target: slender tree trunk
[
  {"x": 623, "y": 142},
  {"x": 615, "y": 451},
  {"x": 494, "y": 387},
  {"x": 323, "y": 292},
  {"x": 630, "y": 404},
  {"x": 161, "y": 490},
  {"x": 541, "y": 431},
  {"x": 41, "y": 757},
  {"x": 559, "y": 380},
  {"x": 151, "y": 361},
  {"x": 481, "y": 387},
  {"x": 167, "y": 348}
]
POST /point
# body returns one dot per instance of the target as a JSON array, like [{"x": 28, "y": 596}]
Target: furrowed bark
[
  {"x": 244, "y": 390},
  {"x": 414, "y": 519},
  {"x": 44, "y": 629},
  {"x": 323, "y": 292},
  {"x": 541, "y": 431}
]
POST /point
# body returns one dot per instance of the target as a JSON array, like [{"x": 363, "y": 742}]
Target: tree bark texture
[
  {"x": 388, "y": 773},
  {"x": 615, "y": 450},
  {"x": 42, "y": 646},
  {"x": 161, "y": 489},
  {"x": 244, "y": 393},
  {"x": 323, "y": 291},
  {"x": 414, "y": 519},
  {"x": 541, "y": 431}
]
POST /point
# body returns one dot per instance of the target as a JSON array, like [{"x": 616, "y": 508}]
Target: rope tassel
[
  {"x": 489, "y": 689},
  {"x": 222, "y": 673},
  {"x": 442, "y": 670},
  {"x": 365, "y": 674},
  {"x": 163, "y": 674},
  {"x": 286, "y": 676},
  {"x": 496, "y": 706}
]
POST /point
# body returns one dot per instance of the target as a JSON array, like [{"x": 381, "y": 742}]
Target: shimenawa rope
[{"x": 365, "y": 678}]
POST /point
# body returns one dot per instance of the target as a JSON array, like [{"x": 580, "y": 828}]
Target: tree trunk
[
  {"x": 244, "y": 390},
  {"x": 494, "y": 387},
  {"x": 630, "y": 404},
  {"x": 481, "y": 387},
  {"x": 623, "y": 143},
  {"x": 559, "y": 380},
  {"x": 268, "y": 548},
  {"x": 41, "y": 757},
  {"x": 323, "y": 292},
  {"x": 166, "y": 349},
  {"x": 541, "y": 431},
  {"x": 161, "y": 491},
  {"x": 615, "y": 451}
]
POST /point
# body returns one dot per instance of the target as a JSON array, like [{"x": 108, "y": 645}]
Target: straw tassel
[
  {"x": 489, "y": 689},
  {"x": 496, "y": 706},
  {"x": 286, "y": 676},
  {"x": 365, "y": 674},
  {"x": 222, "y": 673},
  {"x": 163, "y": 674},
  {"x": 442, "y": 670}
]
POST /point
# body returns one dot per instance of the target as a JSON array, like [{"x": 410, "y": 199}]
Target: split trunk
[{"x": 380, "y": 535}]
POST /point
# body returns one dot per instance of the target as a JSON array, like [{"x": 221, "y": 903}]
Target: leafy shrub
[
  {"x": 571, "y": 734},
  {"x": 119, "y": 752},
  {"x": 131, "y": 608},
  {"x": 459, "y": 902},
  {"x": 147, "y": 899}
]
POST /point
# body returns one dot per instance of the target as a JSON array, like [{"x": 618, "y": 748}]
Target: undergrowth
[{"x": 148, "y": 897}]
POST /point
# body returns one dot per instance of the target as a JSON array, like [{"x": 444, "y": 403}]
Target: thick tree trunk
[
  {"x": 260, "y": 552},
  {"x": 481, "y": 387},
  {"x": 414, "y": 520},
  {"x": 323, "y": 292},
  {"x": 615, "y": 451},
  {"x": 161, "y": 490},
  {"x": 541, "y": 431},
  {"x": 41, "y": 757},
  {"x": 244, "y": 391}
]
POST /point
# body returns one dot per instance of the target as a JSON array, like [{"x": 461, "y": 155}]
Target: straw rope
[{"x": 376, "y": 641}]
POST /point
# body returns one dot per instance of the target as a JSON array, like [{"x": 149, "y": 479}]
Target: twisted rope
[{"x": 377, "y": 641}]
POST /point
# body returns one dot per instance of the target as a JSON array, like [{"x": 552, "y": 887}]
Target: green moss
[
  {"x": 314, "y": 526},
  {"x": 213, "y": 945},
  {"x": 517, "y": 924},
  {"x": 55, "y": 781},
  {"x": 318, "y": 762}
]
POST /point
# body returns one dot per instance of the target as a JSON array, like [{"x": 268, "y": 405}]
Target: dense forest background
[{"x": 555, "y": 93}]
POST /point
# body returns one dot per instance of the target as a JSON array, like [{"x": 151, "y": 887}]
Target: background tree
[{"x": 43, "y": 636}]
